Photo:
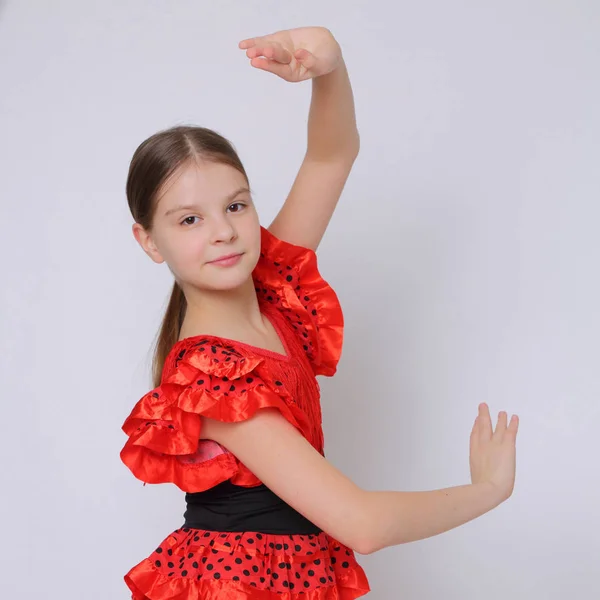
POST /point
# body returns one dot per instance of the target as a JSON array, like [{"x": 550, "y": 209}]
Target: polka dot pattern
[{"x": 191, "y": 561}]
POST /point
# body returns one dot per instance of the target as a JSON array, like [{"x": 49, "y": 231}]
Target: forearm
[
  {"x": 401, "y": 517},
  {"x": 332, "y": 131}
]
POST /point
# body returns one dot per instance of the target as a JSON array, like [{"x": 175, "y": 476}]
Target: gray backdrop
[{"x": 464, "y": 251}]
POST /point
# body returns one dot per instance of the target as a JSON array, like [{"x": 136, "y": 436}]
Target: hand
[
  {"x": 295, "y": 54},
  {"x": 493, "y": 453}
]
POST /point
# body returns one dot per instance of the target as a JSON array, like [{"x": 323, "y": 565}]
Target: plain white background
[{"x": 464, "y": 251}]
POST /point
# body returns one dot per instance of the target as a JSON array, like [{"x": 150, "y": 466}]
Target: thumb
[{"x": 305, "y": 58}]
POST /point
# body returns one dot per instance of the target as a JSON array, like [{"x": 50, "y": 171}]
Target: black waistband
[{"x": 228, "y": 507}]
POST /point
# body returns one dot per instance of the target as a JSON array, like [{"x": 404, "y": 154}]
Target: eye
[
  {"x": 237, "y": 204},
  {"x": 186, "y": 221}
]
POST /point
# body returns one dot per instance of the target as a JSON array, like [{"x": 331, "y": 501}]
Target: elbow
[
  {"x": 363, "y": 537},
  {"x": 365, "y": 544},
  {"x": 364, "y": 547}
]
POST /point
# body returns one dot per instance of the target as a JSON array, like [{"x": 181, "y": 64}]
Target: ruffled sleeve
[
  {"x": 206, "y": 378},
  {"x": 288, "y": 277}
]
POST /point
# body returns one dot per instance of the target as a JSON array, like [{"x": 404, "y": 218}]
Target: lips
[{"x": 226, "y": 257}]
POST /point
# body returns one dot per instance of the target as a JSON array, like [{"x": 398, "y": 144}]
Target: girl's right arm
[{"x": 367, "y": 521}]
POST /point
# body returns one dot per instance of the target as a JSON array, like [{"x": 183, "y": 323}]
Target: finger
[
  {"x": 513, "y": 427},
  {"x": 500, "y": 426},
  {"x": 305, "y": 58},
  {"x": 273, "y": 51},
  {"x": 485, "y": 423},
  {"x": 272, "y": 66},
  {"x": 474, "y": 438},
  {"x": 247, "y": 43}
]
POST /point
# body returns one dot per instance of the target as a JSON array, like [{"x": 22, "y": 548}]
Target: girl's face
[{"x": 204, "y": 212}]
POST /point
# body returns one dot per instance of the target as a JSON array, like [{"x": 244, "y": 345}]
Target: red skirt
[{"x": 197, "y": 564}]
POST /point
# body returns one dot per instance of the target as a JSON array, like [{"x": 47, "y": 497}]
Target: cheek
[{"x": 188, "y": 252}]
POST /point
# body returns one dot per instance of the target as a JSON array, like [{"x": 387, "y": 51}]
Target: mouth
[{"x": 227, "y": 260}]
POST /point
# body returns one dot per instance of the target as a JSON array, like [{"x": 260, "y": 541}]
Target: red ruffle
[
  {"x": 164, "y": 427},
  {"x": 195, "y": 564},
  {"x": 288, "y": 276}
]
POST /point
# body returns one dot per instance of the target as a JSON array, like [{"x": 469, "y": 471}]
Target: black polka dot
[
  {"x": 306, "y": 584},
  {"x": 170, "y": 565},
  {"x": 183, "y": 573},
  {"x": 157, "y": 563},
  {"x": 195, "y": 565},
  {"x": 255, "y": 569},
  {"x": 210, "y": 567},
  {"x": 311, "y": 573},
  {"x": 217, "y": 575},
  {"x": 246, "y": 572},
  {"x": 159, "y": 550},
  {"x": 235, "y": 578},
  {"x": 238, "y": 561},
  {"x": 275, "y": 576},
  {"x": 345, "y": 565},
  {"x": 322, "y": 580},
  {"x": 297, "y": 548}
]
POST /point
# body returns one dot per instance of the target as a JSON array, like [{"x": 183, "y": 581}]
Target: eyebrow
[{"x": 193, "y": 206}]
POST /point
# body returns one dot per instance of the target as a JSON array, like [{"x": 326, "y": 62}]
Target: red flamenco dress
[{"x": 239, "y": 540}]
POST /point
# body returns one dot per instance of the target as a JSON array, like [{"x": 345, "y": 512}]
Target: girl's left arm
[{"x": 333, "y": 140}]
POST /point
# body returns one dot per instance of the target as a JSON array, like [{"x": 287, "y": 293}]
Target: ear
[{"x": 144, "y": 239}]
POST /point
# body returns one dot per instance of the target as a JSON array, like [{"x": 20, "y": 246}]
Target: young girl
[{"x": 234, "y": 418}]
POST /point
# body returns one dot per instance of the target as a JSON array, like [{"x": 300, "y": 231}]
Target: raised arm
[
  {"x": 366, "y": 521},
  {"x": 333, "y": 141},
  {"x": 332, "y": 147}
]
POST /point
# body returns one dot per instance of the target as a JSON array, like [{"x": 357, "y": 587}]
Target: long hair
[{"x": 153, "y": 162}]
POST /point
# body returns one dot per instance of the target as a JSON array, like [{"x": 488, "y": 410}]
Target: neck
[{"x": 227, "y": 314}]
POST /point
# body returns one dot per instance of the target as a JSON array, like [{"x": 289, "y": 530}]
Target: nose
[{"x": 223, "y": 230}]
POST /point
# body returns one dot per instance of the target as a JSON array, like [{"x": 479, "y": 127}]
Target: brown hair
[{"x": 153, "y": 162}]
